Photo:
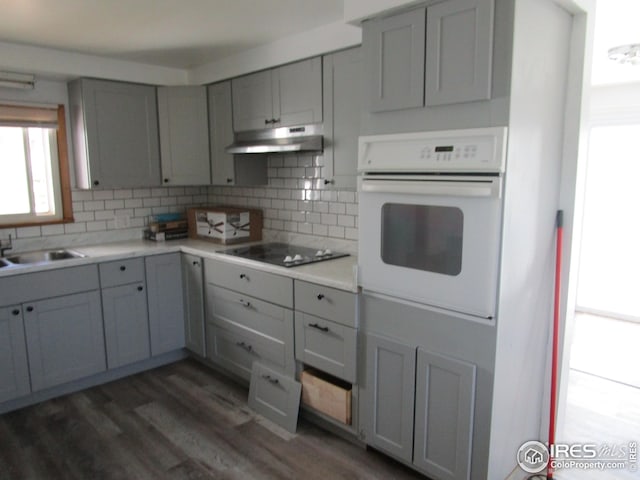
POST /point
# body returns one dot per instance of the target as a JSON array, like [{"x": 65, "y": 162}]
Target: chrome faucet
[{"x": 5, "y": 246}]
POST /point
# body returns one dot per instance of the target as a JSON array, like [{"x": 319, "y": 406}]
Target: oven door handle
[{"x": 486, "y": 187}]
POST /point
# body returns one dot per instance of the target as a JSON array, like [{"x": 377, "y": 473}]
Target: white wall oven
[{"x": 430, "y": 211}]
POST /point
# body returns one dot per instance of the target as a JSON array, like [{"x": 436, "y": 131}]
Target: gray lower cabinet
[
  {"x": 445, "y": 399},
  {"x": 115, "y": 134},
  {"x": 193, "y": 292},
  {"x": 184, "y": 135},
  {"x": 343, "y": 102},
  {"x": 126, "y": 324},
  {"x": 65, "y": 339},
  {"x": 14, "y": 374},
  {"x": 437, "y": 437},
  {"x": 165, "y": 302},
  {"x": 389, "y": 402}
]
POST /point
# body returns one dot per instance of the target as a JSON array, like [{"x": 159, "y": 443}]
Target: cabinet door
[
  {"x": 220, "y": 133},
  {"x": 343, "y": 103},
  {"x": 14, "y": 373},
  {"x": 459, "y": 51},
  {"x": 252, "y": 101},
  {"x": 389, "y": 401},
  {"x": 126, "y": 324},
  {"x": 394, "y": 56},
  {"x": 121, "y": 122},
  {"x": 164, "y": 295},
  {"x": 65, "y": 339},
  {"x": 445, "y": 393},
  {"x": 193, "y": 291},
  {"x": 184, "y": 135},
  {"x": 297, "y": 93}
]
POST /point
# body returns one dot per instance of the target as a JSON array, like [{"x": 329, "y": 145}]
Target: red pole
[{"x": 556, "y": 335}]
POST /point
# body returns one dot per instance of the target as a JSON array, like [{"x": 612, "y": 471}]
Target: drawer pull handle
[
  {"x": 248, "y": 348},
  {"x": 195, "y": 263},
  {"x": 320, "y": 296},
  {"x": 318, "y": 327},
  {"x": 245, "y": 303},
  {"x": 29, "y": 308},
  {"x": 140, "y": 288},
  {"x": 15, "y": 312},
  {"x": 122, "y": 268},
  {"x": 243, "y": 276},
  {"x": 270, "y": 379}
]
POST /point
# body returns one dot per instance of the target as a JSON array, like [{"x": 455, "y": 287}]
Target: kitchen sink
[
  {"x": 44, "y": 256},
  {"x": 4, "y": 263}
]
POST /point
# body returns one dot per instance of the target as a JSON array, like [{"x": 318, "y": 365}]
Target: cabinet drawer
[
  {"x": 236, "y": 349},
  {"x": 275, "y": 396},
  {"x": 229, "y": 307},
  {"x": 121, "y": 272},
  {"x": 326, "y": 345},
  {"x": 266, "y": 286},
  {"x": 46, "y": 284},
  {"x": 335, "y": 305}
]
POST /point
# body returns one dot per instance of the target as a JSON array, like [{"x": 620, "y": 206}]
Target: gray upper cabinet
[
  {"x": 65, "y": 339},
  {"x": 445, "y": 393},
  {"x": 343, "y": 102},
  {"x": 220, "y": 133},
  {"x": 164, "y": 295},
  {"x": 14, "y": 374},
  {"x": 184, "y": 135},
  {"x": 459, "y": 51},
  {"x": 193, "y": 292},
  {"x": 389, "y": 396},
  {"x": 297, "y": 93},
  {"x": 280, "y": 97},
  {"x": 394, "y": 58},
  {"x": 115, "y": 134},
  {"x": 438, "y": 55}
]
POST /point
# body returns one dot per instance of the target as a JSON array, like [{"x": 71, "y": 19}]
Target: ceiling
[
  {"x": 172, "y": 33},
  {"x": 616, "y": 24}
]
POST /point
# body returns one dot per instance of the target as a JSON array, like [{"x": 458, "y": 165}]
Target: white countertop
[{"x": 340, "y": 273}]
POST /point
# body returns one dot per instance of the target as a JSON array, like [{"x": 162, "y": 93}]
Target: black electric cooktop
[{"x": 283, "y": 254}]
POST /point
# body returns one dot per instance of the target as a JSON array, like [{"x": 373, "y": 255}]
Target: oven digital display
[{"x": 448, "y": 148}]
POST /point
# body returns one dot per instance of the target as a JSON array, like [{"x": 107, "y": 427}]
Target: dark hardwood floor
[{"x": 182, "y": 421}]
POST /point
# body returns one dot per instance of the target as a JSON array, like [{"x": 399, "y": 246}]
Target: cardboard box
[
  {"x": 225, "y": 225},
  {"x": 326, "y": 394}
]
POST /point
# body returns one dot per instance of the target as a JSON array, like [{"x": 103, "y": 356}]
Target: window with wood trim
[{"x": 35, "y": 186}]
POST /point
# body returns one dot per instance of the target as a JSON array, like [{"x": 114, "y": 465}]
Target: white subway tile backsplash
[
  {"x": 103, "y": 195},
  {"x": 81, "y": 195},
  {"x": 94, "y": 205},
  {"x": 114, "y": 204},
  {"x": 336, "y": 232},
  {"x": 52, "y": 230},
  {"x": 123, "y": 193},
  {"x": 28, "y": 232},
  {"x": 346, "y": 220},
  {"x": 133, "y": 203},
  {"x": 322, "y": 230},
  {"x": 329, "y": 219},
  {"x": 84, "y": 216},
  {"x": 96, "y": 226}
]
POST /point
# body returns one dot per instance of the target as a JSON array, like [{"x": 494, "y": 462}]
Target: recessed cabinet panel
[
  {"x": 343, "y": 102},
  {"x": 394, "y": 53},
  {"x": 459, "y": 51},
  {"x": 390, "y": 388},
  {"x": 126, "y": 324},
  {"x": 164, "y": 294},
  {"x": 220, "y": 133},
  {"x": 184, "y": 135},
  {"x": 193, "y": 292},
  {"x": 252, "y": 101},
  {"x": 65, "y": 339},
  {"x": 297, "y": 93},
  {"x": 115, "y": 128},
  {"x": 14, "y": 369},
  {"x": 445, "y": 392}
]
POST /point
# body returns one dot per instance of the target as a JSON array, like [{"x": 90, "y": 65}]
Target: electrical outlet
[{"x": 122, "y": 221}]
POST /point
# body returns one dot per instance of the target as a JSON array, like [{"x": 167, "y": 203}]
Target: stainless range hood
[{"x": 306, "y": 138}]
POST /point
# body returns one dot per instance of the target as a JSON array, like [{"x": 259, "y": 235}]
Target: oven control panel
[{"x": 471, "y": 150}]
